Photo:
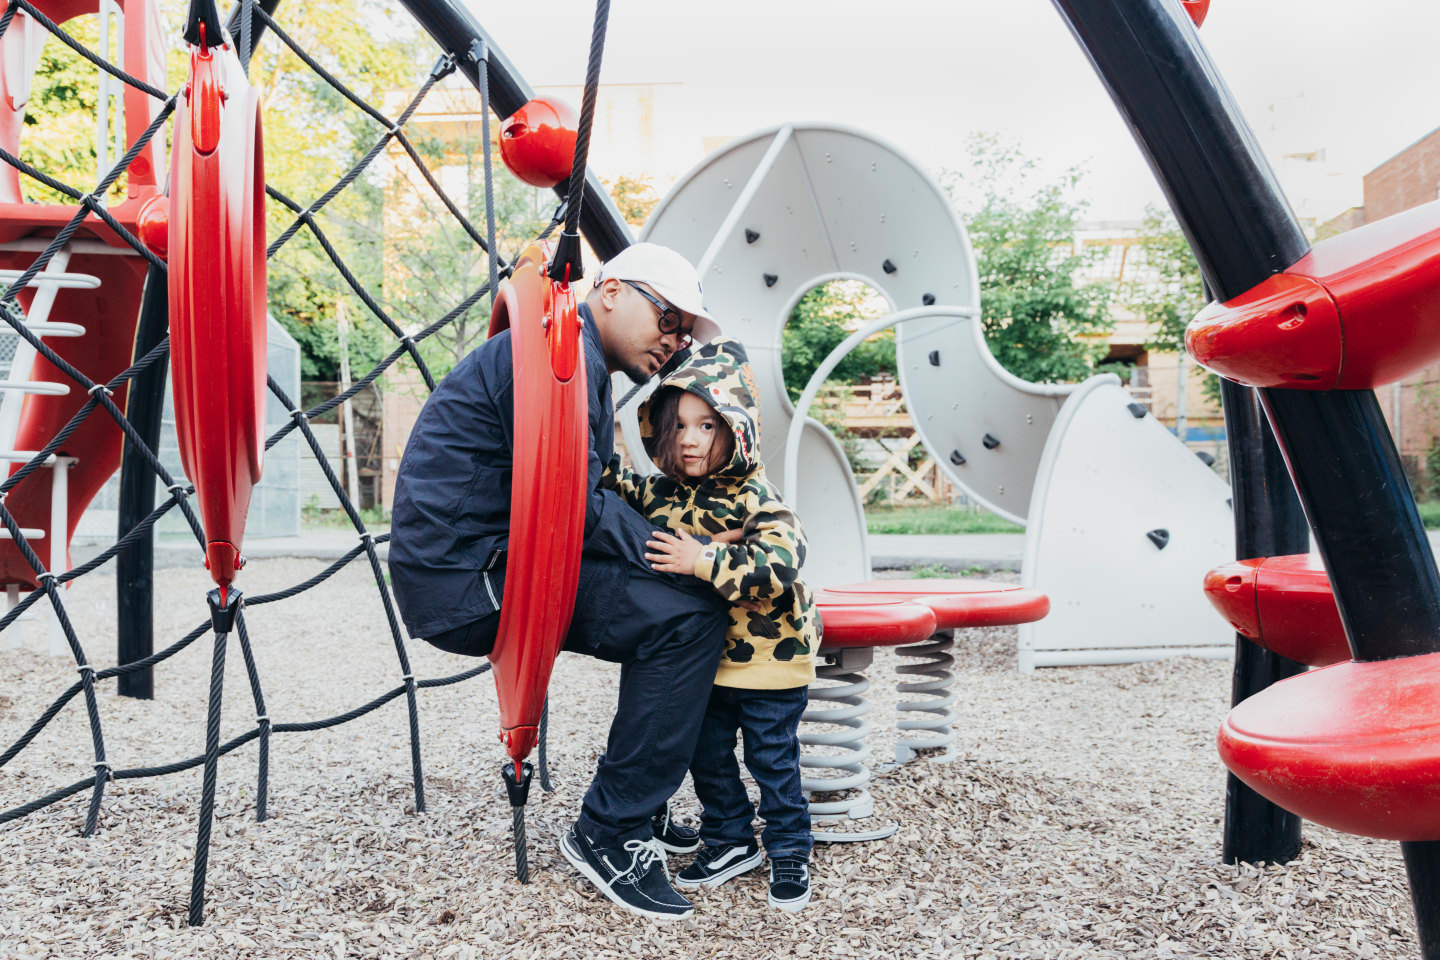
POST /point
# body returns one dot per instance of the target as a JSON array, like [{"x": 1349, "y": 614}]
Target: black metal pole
[
  {"x": 1341, "y": 456},
  {"x": 455, "y": 29},
  {"x": 135, "y": 566},
  {"x": 1268, "y": 523}
]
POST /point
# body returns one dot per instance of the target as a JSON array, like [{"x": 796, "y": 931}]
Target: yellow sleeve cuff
[{"x": 706, "y": 560}]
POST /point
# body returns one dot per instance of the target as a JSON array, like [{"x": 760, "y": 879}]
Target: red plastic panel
[
  {"x": 1197, "y": 9},
  {"x": 1354, "y": 746},
  {"x": 217, "y": 298},
  {"x": 1284, "y": 604},
  {"x": 547, "y": 499},
  {"x": 850, "y": 620},
  {"x": 145, "y": 44},
  {"x": 960, "y": 603},
  {"x": 537, "y": 142},
  {"x": 1361, "y": 310}
]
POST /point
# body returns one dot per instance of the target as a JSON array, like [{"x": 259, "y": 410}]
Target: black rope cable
[
  {"x": 482, "y": 57},
  {"x": 567, "y": 263}
]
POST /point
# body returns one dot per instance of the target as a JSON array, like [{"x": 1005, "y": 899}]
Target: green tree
[
  {"x": 1167, "y": 291},
  {"x": 1041, "y": 321},
  {"x": 820, "y": 321}
]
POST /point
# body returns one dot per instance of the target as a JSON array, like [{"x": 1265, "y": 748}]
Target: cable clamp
[
  {"x": 366, "y": 535},
  {"x": 394, "y": 130},
  {"x": 83, "y": 667},
  {"x": 109, "y": 771},
  {"x": 297, "y": 412},
  {"x": 42, "y": 576},
  {"x": 178, "y": 489},
  {"x": 408, "y": 676},
  {"x": 478, "y": 51},
  {"x": 101, "y": 386},
  {"x": 263, "y": 718},
  {"x": 95, "y": 201}
]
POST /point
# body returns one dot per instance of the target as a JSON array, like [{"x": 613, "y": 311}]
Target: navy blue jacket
[{"x": 450, "y": 523}]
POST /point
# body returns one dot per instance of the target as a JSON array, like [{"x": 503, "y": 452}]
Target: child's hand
[
  {"x": 729, "y": 536},
  {"x": 672, "y": 554}
]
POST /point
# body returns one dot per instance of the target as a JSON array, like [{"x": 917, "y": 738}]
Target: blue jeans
[{"x": 767, "y": 721}]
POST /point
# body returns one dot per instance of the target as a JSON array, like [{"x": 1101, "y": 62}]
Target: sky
[{"x": 1352, "y": 79}]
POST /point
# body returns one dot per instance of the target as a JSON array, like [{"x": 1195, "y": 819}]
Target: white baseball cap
[{"x": 670, "y": 275}]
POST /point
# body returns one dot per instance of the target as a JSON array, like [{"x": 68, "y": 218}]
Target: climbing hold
[
  {"x": 537, "y": 142},
  {"x": 1137, "y": 410},
  {"x": 770, "y": 279},
  {"x": 1160, "y": 537},
  {"x": 928, "y": 299},
  {"x": 1205, "y": 458},
  {"x": 1197, "y": 9},
  {"x": 934, "y": 358},
  {"x": 991, "y": 441},
  {"x": 888, "y": 267},
  {"x": 751, "y": 236},
  {"x": 957, "y": 458}
]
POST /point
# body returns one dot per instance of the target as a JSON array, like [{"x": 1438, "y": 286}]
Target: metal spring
[
  {"x": 931, "y": 715},
  {"x": 851, "y": 738}
]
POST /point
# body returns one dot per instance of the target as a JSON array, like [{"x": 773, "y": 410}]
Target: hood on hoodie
[{"x": 719, "y": 373}]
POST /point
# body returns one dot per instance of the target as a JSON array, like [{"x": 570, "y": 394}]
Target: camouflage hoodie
[{"x": 773, "y": 647}]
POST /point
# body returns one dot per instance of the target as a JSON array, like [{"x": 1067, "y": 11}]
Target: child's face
[{"x": 695, "y": 434}]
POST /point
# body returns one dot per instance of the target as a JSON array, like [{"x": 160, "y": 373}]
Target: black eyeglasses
[{"x": 669, "y": 319}]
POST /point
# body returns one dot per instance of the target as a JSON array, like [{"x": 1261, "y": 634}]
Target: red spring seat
[
  {"x": 1282, "y": 603},
  {"x": 850, "y": 620},
  {"x": 959, "y": 603},
  {"x": 1354, "y": 746},
  {"x": 1360, "y": 310}
]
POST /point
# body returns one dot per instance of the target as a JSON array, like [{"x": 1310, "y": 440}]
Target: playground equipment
[
  {"x": 770, "y": 216},
  {"x": 537, "y": 142},
  {"x": 92, "y": 276},
  {"x": 32, "y": 228},
  {"x": 1282, "y": 603},
  {"x": 1351, "y": 745}
]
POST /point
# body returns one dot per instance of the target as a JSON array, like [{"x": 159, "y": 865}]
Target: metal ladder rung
[
  {"x": 42, "y": 388},
  {"x": 24, "y": 456},
  {"x": 69, "y": 281},
  {"x": 54, "y": 329}
]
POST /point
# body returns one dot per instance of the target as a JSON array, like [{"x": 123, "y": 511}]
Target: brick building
[{"x": 1412, "y": 408}]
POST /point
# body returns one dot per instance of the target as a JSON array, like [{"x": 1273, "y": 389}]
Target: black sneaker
[
  {"x": 675, "y": 837},
  {"x": 716, "y": 864},
  {"x": 789, "y": 883},
  {"x": 631, "y": 876}
]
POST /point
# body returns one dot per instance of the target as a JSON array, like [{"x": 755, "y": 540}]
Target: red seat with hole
[
  {"x": 1354, "y": 746},
  {"x": 1360, "y": 310},
  {"x": 1282, "y": 603},
  {"x": 959, "y": 603},
  {"x": 851, "y": 620}
]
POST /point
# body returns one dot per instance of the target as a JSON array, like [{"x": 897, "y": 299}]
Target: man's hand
[
  {"x": 673, "y": 554},
  {"x": 729, "y": 536}
]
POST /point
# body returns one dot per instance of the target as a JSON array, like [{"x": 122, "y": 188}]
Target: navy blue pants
[
  {"x": 767, "y": 721},
  {"x": 667, "y": 633}
]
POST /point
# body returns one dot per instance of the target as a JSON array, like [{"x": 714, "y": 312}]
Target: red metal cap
[{"x": 1230, "y": 588}]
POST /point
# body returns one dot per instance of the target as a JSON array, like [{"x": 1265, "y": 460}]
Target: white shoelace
[{"x": 644, "y": 854}]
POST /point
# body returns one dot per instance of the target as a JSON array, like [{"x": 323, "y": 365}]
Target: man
[{"x": 449, "y": 534}]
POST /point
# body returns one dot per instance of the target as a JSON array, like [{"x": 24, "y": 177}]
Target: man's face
[{"x": 634, "y": 342}]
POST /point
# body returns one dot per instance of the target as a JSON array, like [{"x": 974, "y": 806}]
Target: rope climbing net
[{"x": 90, "y": 204}]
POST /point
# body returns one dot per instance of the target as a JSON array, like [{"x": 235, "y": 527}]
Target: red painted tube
[{"x": 547, "y": 499}]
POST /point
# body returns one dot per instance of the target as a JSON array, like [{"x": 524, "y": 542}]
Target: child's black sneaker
[
  {"x": 789, "y": 883},
  {"x": 674, "y": 837},
  {"x": 715, "y": 864},
  {"x": 631, "y": 876}
]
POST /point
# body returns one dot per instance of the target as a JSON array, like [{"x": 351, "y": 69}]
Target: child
[{"x": 702, "y": 428}]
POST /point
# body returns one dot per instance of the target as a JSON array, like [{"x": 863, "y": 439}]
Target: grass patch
[
  {"x": 943, "y": 519},
  {"x": 1430, "y": 514}
]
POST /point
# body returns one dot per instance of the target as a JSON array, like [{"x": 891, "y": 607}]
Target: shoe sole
[
  {"x": 729, "y": 873},
  {"x": 791, "y": 906},
  {"x": 673, "y": 848},
  {"x": 588, "y": 872}
]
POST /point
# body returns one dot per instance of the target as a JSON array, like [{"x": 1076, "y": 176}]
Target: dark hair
[{"x": 665, "y": 421}]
